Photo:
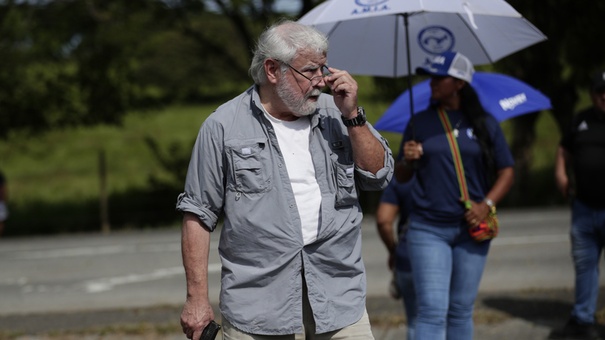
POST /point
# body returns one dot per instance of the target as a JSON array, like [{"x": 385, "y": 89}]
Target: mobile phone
[{"x": 210, "y": 331}]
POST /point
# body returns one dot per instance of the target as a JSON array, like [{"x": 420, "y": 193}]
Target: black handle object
[{"x": 210, "y": 331}]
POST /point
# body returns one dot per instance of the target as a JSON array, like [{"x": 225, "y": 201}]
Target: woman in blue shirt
[{"x": 447, "y": 263}]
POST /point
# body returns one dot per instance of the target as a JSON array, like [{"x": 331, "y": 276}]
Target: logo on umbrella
[
  {"x": 436, "y": 39},
  {"x": 511, "y": 103},
  {"x": 370, "y": 2},
  {"x": 370, "y": 6}
]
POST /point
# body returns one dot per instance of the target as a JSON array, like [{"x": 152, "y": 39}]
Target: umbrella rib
[
  {"x": 333, "y": 28},
  {"x": 471, "y": 29}
]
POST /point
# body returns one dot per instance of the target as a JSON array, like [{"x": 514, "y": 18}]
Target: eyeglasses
[{"x": 315, "y": 79}]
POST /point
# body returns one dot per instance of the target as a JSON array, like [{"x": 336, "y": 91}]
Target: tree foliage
[
  {"x": 70, "y": 62},
  {"x": 560, "y": 67}
]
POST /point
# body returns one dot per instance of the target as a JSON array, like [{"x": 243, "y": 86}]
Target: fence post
[{"x": 103, "y": 200}]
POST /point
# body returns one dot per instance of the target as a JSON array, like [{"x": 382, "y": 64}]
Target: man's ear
[{"x": 272, "y": 70}]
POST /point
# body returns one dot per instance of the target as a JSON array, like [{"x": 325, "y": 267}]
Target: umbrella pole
[{"x": 407, "y": 47}]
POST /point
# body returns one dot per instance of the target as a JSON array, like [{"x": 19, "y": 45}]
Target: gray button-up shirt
[{"x": 237, "y": 168}]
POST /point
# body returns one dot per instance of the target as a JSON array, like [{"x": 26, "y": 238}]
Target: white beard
[{"x": 291, "y": 97}]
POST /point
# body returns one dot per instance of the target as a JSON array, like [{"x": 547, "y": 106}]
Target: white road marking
[
  {"x": 108, "y": 283},
  {"x": 13, "y": 281},
  {"x": 94, "y": 251}
]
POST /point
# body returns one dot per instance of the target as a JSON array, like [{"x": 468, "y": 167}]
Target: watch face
[
  {"x": 361, "y": 112},
  {"x": 361, "y": 115}
]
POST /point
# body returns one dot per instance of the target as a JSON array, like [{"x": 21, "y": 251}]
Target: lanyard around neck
[{"x": 456, "y": 156}]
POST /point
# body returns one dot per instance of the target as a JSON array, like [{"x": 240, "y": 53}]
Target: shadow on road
[
  {"x": 549, "y": 308},
  {"x": 536, "y": 310}
]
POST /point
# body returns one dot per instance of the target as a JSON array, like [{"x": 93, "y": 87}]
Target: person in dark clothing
[
  {"x": 582, "y": 152},
  {"x": 396, "y": 200}
]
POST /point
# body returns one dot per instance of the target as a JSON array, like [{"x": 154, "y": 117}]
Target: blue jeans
[
  {"x": 587, "y": 239},
  {"x": 405, "y": 284},
  {"x": 447, "y": 266}
]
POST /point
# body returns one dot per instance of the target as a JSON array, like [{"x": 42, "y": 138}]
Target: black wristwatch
[{"x": 360, "y": 120}]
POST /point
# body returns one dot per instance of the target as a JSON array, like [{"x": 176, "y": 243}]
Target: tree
[
  {"x": 102, "y": 58},
  {"x": 76, "y": 70}
]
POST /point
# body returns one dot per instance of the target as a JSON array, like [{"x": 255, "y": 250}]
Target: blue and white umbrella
[
  {"x": 390, "y": 38},
  {"x": 501, "y": 95}
]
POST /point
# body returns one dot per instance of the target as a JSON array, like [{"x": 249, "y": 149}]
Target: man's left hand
[{"x": 344, "y": 90}]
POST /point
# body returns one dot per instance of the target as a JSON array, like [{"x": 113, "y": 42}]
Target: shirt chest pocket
[
  {"x": 250, "y": 163},
  {"x": 344, "y": 179}
]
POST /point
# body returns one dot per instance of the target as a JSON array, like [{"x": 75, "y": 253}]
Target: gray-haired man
[{"x": 284, "y": 164}]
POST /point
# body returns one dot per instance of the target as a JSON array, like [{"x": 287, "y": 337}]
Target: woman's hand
[
  {"x": 477, "y": 213},
  {"x": 412, "y": 151}
]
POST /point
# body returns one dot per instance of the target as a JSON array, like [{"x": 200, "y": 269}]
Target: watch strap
[{"x": 360, "y": 120}]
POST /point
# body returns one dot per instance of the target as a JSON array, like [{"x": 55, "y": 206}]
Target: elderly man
[{"x": 283, "y": 163}]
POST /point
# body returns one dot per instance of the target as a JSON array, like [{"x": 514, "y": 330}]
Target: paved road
[{"x": 94, "y": 272}]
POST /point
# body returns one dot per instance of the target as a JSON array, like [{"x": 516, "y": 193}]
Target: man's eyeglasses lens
[{"x": 315, "y": 79}]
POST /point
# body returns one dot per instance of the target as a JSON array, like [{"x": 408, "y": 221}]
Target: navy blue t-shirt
[
  {"x": 436, "y": 193},
  {"x": 586, "y": 142}
]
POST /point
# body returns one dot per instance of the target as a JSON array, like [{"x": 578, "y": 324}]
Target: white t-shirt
[{"x": 293, "y": 139}]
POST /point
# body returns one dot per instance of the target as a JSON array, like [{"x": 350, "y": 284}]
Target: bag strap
[{"x": 456, "y": 157}]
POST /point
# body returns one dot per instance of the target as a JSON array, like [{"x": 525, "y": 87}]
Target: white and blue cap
[{"x": 448, "y": 63}]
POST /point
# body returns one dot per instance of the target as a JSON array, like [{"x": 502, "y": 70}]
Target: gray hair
[{"x": 282, "y": 41}]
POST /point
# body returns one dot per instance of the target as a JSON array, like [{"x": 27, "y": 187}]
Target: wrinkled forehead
[{"x": 309, "y": 56}]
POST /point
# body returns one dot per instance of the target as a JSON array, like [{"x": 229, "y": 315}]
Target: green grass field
[
  {"x": 64, "y": 165},
  {"x": 54, "y": 179}
]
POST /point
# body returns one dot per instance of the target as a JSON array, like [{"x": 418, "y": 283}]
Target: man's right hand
[{"x": 194, "y": 318}]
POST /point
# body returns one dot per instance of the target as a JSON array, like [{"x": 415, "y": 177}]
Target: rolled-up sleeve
[
  {"x": 204, "y": 185},
  {"x": 374, "y": 182}
]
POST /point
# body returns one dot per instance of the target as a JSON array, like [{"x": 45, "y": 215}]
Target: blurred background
[{"x": 101, "y": 100}]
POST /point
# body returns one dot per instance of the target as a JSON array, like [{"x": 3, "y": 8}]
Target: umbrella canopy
[
  {"x": 501, "y": 95},
  {"x": 374, "y": 37}
]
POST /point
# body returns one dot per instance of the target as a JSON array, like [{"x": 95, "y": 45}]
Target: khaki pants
[{"x": 360, "y": 330}]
